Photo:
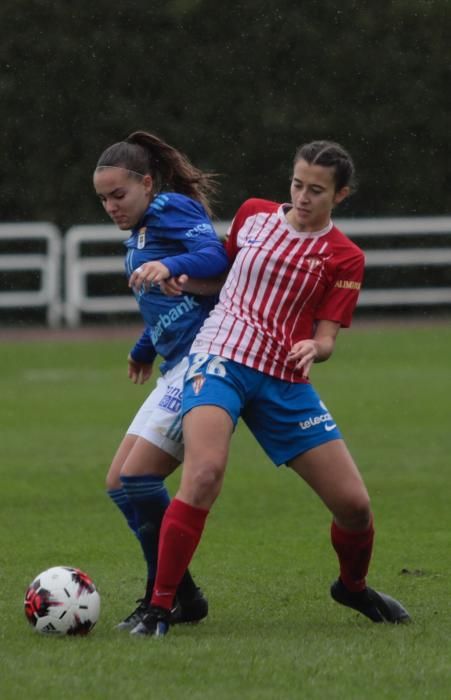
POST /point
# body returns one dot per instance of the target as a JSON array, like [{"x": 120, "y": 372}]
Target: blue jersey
[{"x": 176, "y": 231}]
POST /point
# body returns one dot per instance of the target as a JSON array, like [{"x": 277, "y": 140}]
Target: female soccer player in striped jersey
[
  {"x": 148, "y": 187},
  {"x": 294, "y": 282}
]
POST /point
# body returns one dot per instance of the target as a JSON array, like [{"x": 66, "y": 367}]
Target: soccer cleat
[
  {"x": 155, "y": 623},
  {"x": 379, "y": 607},
  {"x": 189, "y": 609},
  {"x": 136, "y": 616}
]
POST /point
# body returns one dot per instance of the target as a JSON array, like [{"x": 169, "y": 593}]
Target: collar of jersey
[{"x": 302, "y": 234}]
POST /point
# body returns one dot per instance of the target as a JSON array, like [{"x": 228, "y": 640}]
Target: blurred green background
[{"x": 235, "y": 85}]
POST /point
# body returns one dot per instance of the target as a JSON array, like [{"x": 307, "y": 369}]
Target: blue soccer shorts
[{"x": 286, "y": 419}]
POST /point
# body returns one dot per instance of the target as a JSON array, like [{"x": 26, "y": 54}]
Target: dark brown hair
[
  {"x": 146, "y": 154},
  {"x": 330, "y": 155}
]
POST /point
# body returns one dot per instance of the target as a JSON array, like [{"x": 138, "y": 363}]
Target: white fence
[
  {"x": 45, "y": 264},
  {"x": 66, "y": 268},
  {"x": 80, "y": 268},
  {"x": 410, "y": 229}
]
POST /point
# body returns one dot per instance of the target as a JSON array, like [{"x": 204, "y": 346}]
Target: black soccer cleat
[
  {"x": 136, "y": 616},
  {"x": 379, "y": 607},
  {"x": 189, "y": 609},
  {"x": 155, "y": 623}
]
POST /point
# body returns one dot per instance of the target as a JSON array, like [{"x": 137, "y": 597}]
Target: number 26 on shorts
[{"x": 215, "y": 365}]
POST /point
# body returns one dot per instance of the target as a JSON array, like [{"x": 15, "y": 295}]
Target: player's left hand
[
  {"x": 303, "y": 354},
  {"x": 174, "y": 286},
  {"x": 148, "y": 274},
  {"x": 138, "y": 372}
]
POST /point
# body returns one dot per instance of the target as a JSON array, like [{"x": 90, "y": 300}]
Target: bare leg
[
  {"x": 207, "y": 432},
  {"x": 331, "y": 472},
  {"x": 113, "y": 477},
  {"x": 144, "y": 458}
]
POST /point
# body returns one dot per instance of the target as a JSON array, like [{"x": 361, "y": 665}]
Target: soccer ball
[{"x": 62, "y": 600}]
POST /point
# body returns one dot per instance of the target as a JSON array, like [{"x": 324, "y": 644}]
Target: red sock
[
  {"x": 181, "y": 530},
  {"x": 354, "y": 553}
]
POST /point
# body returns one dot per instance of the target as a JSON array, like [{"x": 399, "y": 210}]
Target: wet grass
[{"x": 265, "y": 561}]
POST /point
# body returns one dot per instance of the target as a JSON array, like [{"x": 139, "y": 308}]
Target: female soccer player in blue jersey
[
  {"x": 294, "y": 282},
  {"x": 149, "y": 188}
]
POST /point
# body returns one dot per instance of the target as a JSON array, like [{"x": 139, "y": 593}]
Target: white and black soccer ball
[{"x": 62, "y": 600}]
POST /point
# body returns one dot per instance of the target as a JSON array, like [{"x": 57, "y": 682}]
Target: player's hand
[
  {"x": 174, "y": 286},
  {"x": 147, "y": 275},
  {"x": 303, "y": 354},
  {"x": 138, "y": 372}
]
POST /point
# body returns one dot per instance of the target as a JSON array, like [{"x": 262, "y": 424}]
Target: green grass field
[{"x": 265, "y": 561}]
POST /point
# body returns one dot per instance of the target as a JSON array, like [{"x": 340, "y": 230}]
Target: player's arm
[
  {"x": 205, "y": 268},
  {"x": 202, "y": 261},
  {"x": 175, "y": 286},
  {"x": 141, "y": 358},
  {"x": 193, "y": 284},
  {"x": 317, "y": 349}
]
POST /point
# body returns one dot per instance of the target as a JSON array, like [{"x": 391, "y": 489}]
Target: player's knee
[
  {"x": 209, "y": 478},
  {"x": 201, "y": 483},
  {"x": 112, "y": 481},
  {"x": 355, "y": 513}
]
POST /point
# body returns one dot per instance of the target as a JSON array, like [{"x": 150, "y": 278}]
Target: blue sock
[
  {"x": 149, "y": 499},
  {"x": 120, "y": 498}
]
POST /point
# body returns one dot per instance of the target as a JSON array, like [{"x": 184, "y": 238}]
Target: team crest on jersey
[
  {"x": 198, "y": 382},
  {"x": 141, "y": 238}
]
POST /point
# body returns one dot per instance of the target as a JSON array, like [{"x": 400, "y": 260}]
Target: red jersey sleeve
[{"x": 346, "y": 277}]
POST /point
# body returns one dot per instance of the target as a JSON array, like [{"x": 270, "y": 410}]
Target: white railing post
[
  {"x": 78, "y": 269},
  {"x": 47, "y": 265}
]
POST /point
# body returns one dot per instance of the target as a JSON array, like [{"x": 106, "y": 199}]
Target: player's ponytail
[{"x": 146, "y": 154}]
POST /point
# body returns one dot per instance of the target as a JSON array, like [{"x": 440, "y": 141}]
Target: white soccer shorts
[{"x": 159, "y": 420}]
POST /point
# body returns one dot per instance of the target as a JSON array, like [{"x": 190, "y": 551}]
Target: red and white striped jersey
[{"x": 281, "y": 283}]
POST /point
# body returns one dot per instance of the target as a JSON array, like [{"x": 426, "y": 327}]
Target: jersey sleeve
[
  {"x": 143, "y": 351},
  {"x": 207, "y": 259},
  {"x": 341, "y": 299},
  {"x": 185, "y": 221}
]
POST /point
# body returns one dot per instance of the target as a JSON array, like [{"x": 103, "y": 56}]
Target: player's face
[
  {"x": 124, "y": 197},
  {"x": 313, "y": 196}
]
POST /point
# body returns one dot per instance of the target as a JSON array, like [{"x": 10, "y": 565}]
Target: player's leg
[
  {"x": 295, "y": 428},
  {"x": 143, "y": 477},
  {"x": 113, "y": 482},
  {"x": 155, "y": 455},
  {"x": 212, "y": 404},
  {"x": 118, "y": 495},
  {"x": 330, "y": 470},
  {"x": 142, "y": 498},
  {"x": 115, "y": 489},
  {"x": 207, "y": 431},
  {"x": 114, "y": 485}
]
